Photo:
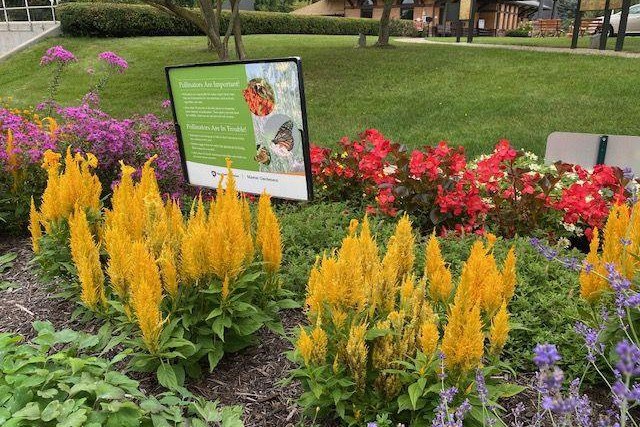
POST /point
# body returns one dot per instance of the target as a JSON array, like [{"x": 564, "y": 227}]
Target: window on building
[
  {"x": 366, "y": 9},
  {"x": 406, "y": 9}
]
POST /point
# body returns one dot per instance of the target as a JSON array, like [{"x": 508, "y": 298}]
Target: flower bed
[{"x": 507, "y": 192}]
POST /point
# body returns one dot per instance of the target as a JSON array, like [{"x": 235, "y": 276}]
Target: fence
[{"x": 37, "y": 11}]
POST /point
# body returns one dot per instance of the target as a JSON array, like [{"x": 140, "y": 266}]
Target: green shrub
[
  {"x": 520, "y": 32},
  {"x": 53, "y": 380},
  {"x": 129, "y": 20}
]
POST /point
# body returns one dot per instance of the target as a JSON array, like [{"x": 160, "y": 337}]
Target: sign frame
[{"x": 306, "y": 146}]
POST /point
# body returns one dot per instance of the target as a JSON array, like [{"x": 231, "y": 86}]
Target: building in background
[{"x": 493, "y": 17}]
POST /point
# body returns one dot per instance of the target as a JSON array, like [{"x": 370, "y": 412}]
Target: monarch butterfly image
[{"x": 284, "y": 136}]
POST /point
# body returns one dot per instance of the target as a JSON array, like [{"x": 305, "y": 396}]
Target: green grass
[
  {"x": 631, "y": 44},
  {"x": 415, "y": 94}
]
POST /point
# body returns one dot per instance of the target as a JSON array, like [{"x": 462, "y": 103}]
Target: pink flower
[
  {"x": 57, "y": 54},
  {"x": 119, "y": 63}
]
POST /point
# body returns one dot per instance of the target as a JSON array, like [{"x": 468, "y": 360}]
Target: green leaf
[
  {"x": 415, "y": 391},
  {"x": 167, "y": 377},
  {"x": 106, "y": 391},
  {"x": 48, "y": 393},
  {"x": 66, "y": 336},
  {"x": 31, "y": 412},
  {"x": 214, "y": 356},
  {"x": 51, "y": 411},
  {"x": 374, "y": 333},
  {"x": 288, "y": 304}
]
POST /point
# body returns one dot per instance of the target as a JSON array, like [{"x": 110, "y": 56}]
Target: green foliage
[
  {"x": 518, "y": 32},
  {"x": 54, "y": 257},
  {"x": 124, "y": 20},
  {"x": 51, "y": 381},
  {"x": 274, "y": 5},
  {"x": 15, "y": 195},
  {"x": 545, "y": 306}
]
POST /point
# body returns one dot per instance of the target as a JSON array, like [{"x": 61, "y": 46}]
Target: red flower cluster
[{"x": 503, "y": 192}]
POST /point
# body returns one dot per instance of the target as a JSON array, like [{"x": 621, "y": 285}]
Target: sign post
[
  {"x": 605, "y": 26},
  {"x": 622, "y": 28},
  {"x": 576, "y": 25},
  {"x": 252, "y": 112},
  {"x": 472, "y": 21}
]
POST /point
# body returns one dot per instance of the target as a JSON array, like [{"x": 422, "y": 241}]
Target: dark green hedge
[{"x": 128, "y": 20}]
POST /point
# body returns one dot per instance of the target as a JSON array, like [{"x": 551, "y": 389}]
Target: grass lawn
[
  {"x": 415, "y": 94},
  {"x": 631, "y": 43}
]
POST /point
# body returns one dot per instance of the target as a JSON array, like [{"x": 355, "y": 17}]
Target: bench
[
  {"x": 547, "y": 27},
  {"x": 587, "y": 26}
]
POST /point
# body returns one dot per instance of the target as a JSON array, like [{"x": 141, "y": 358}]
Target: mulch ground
[{"x": 250, "y": 378}]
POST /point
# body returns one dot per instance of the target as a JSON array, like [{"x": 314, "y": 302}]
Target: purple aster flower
[
  {"x": 57, "y": 54},
  {"x": 119, "y": 63},
  {"x": 545, "y": 355},
  {"x": 166, "y": 103}
]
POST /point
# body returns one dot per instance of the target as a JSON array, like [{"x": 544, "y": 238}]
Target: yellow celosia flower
[
  {"x": 437, "y": 273},
  {"x": 146, "y": 295},
  {"x": 429, "y": 337},
  {"x": 35, "y": 227},
  {"x": 463, "y": 341},
  {"x": 230, "y": 241},
  {"x": 593, "y": 280},
  {"x": 499, "y": 331},
  {"x": 400, "y": 254},
  {"x": 268, "y": 237},
  {"x": 305, "y": 346},
  {"x": 320, "y": 342},
  {"x": 117, "y": 243},
  {"x": 194, "y": 259},
  {"x": 508, "y": 274},
  {"x": 481, "y": 280},
  {"x": 86, "y": 257},
  {"x": 169, "y": 271},
  {"x": 356, "y": 355}
]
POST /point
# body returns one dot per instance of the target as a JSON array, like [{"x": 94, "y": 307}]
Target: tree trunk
[
  {"x": 237, "y": 37},
  {"x": 235, "y": 6},
  {"x": 383, "y": 33}
]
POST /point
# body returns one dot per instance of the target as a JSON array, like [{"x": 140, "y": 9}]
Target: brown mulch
[
  {"x": 27, "y": 299},
  {"x": 249, "y": 378}
]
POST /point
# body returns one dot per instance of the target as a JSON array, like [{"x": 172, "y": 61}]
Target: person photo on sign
[{"x": 260, "y": 97}]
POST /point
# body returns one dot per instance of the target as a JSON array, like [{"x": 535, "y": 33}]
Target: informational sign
[
  {"x": 589, "y": 5},
  {"x": 586, "y": 149},
  {"x": 252, "y": 112},
  {"x": 465, "y": 10}
]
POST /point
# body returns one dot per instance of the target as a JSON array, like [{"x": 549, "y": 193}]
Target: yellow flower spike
[
  {"x": 353, "y": 227},
  {"x": 508, "y": 274},
  {"x": 86, "y": 257},
  {"x": 463, "y": 340},
  {"x": 268, "y": 238},
  {"x": 168, "y": 271},
  {"x": 356, "y": 355},
  {"x": 320, "y": 341},
  {"x": 491, "y": 241},
  {"x": 429, "y": 338},
  {"x": 225, "y": 289},
  {"x": 305, "y": 346},
  {"x": 593, "y": 280},
  {"x": 35, "y": 227},
  {"x": 437, "y": 273},
  {"x": 118, "y": 244},
  {"x": 401, "y": 249},
  {"x": 499, "y": 331}
]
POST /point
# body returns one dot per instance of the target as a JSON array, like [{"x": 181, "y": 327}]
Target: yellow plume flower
[
  {"x": 86, "y": 257},
  {"x": 499, "y": 331},
  {"x": 593, "y": 280},
  {"x": 35, "y": 227},
  {"x": 194, "y": 259},
  {"x": 356, "y": 355},
  {"x": 268, "y": 237},
  {"x": 320, "y": 341},
  {"x": 437, "y": 273},
  {"x": 463, "y": 341},
  {"x": 508, "y": 274},
  {"x": 400, "y": 254},
  {"x": 168, "y": 271},
  {"x": 146, "y": 295},
  {"x": 117, "y": 243},
  {"x": 305, "y": 346},
  {"x": 429, "y": 337}
]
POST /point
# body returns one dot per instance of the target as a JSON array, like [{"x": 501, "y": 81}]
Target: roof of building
[
  {"x": 322, "y": 7},
  {"x": 244, "y": 5}
]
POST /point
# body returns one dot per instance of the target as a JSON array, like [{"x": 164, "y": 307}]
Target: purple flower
[
  {"x": 57, "y": 54},
  {"x": 119, "y": 63},
  {"x": 545, "y": 251},
  {"x": 628, "y": 358},
  {"x": 545, "y": 355},
  {"x": 166, "y": 103},
  {"x": 446, "y": 418},
  {"x": 591, "y": 339},
  {"x": 627, "y": 173},
  {"x": 481, "y": 386}
]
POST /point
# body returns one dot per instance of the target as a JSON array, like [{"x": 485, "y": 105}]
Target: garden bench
[
  {"x": 547, "y": 27},
  {"x": 587, "y": 26}
]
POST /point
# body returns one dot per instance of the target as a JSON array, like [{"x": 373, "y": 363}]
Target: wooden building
[{"x": 493, "y": 17}]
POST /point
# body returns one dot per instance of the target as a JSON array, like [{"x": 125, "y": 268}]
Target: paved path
[{"x": 525, "y": 48}]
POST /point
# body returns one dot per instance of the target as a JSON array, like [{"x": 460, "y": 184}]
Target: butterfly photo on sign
[{"x": 273, "y": 92}]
